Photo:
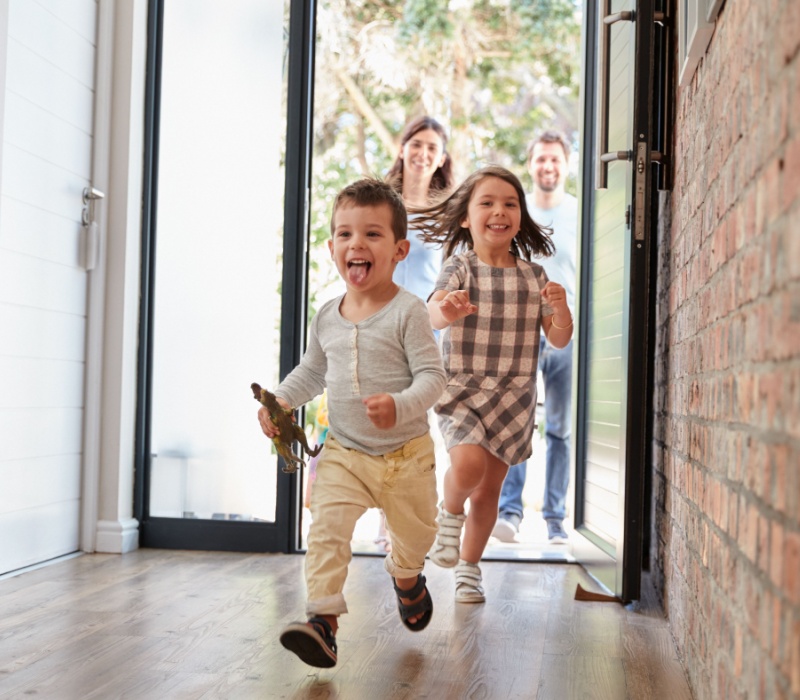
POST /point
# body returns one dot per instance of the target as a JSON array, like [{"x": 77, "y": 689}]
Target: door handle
[
  {"x": 92, "y": 193},
  {"x": 626, "y": 16},
  {"x": 615, "y": 155},
  {"x": 90, "y": 196},
  {"x": 628, "y": 155},
  {"x": 90, "y": 243},
  {"x": 603, "y": 156},
  {"x": 630, "y": 16}
]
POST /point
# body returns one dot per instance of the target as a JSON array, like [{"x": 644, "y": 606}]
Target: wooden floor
[{"x": 167, "y": 624}]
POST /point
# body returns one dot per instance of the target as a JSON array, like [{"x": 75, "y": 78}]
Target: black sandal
[
  {"x": 422, "y": 607},
  {"x": 313, "y": 642}
]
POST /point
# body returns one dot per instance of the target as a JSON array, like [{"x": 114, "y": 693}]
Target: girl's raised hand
[
  {"x": 555, "y": 295},
  {"x": 456, "y": 305}
]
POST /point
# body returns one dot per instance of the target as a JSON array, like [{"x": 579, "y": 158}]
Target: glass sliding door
[{"x": 213, "y": 318}]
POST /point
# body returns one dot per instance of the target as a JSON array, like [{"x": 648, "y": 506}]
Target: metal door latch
[{"x": 90, "y": 238}]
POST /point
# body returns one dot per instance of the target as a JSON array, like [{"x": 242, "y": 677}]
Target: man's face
[{"x": 548, "y": 166}]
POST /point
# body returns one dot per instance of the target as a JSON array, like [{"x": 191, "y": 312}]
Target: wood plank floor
[{"x": 174, "y": 624}]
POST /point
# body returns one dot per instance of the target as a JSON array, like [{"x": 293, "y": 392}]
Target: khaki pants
[{"x": 402, "y": 483}]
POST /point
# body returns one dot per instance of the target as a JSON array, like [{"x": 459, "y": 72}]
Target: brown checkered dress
[{"x": 491, "y": 356}]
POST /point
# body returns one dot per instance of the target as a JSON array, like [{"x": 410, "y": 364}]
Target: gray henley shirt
[{"x": 393, "y": 352}]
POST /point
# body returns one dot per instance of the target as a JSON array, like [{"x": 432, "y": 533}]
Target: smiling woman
[{"x": 421, "y": 172}]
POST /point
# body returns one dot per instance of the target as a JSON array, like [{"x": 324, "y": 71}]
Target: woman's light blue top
[{"x": 419, "y": 271}]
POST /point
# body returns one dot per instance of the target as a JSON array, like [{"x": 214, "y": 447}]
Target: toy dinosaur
[{"x": 289, "y": 431}]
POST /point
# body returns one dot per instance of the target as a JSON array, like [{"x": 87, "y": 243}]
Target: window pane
[{"x": 219, "y": 237}]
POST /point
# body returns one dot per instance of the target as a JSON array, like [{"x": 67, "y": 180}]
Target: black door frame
[
  {"x": 284, "y": 534},
  {"x": 650, "y": 99},
  {"x": 176, "y": 533}
]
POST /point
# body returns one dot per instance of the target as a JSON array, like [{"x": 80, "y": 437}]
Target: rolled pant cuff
[
  {"x": 399, "y": 571},
  {"x": 329, "y": 605}
]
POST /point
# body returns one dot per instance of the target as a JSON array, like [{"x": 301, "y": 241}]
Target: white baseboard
[{"x": 117, "y": 536}]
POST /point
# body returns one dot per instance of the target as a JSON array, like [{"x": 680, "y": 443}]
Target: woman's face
[{"x": 422, "y": 154}]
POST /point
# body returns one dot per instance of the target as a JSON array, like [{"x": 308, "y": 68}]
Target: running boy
[
  {"x": 491, "y": 303},
  {"x": 373, "y": 348}
]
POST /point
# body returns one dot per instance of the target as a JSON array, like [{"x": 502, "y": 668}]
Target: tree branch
[{"x": 366, "y": 110}]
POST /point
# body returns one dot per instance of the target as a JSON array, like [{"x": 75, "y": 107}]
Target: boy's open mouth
[{"x": 357, "y": 270}]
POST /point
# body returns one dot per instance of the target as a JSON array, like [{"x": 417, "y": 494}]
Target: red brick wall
[{"x": 726, "y": 539}]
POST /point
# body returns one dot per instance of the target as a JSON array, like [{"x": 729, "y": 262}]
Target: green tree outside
[{"x": 494, "y": 72}]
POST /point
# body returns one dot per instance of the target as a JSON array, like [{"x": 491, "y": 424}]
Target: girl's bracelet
[{"x": 561, "y": 328}]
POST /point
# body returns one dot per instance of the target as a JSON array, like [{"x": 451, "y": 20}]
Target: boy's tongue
[{"x": 357, "y": 273}]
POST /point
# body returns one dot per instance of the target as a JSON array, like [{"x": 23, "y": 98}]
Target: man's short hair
[
  {"x": 371, "y": 192},
  {"x": 550, "y": 136}
]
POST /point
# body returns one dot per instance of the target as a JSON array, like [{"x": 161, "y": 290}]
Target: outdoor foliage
[{"x": 494, "y": 72}]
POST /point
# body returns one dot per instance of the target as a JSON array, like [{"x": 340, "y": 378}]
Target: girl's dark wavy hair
[
  {"x": 442, "y": 180},
  {"x": 441, "y": 222}
]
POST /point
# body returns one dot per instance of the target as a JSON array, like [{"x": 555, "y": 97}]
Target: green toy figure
[{"x": 289, "y": 430}]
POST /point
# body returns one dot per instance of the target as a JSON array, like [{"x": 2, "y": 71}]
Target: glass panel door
[
  {"x": 614, "y": 376},
  {"x": 215, "y": 261},
  {"x": 493, "y": 75}
]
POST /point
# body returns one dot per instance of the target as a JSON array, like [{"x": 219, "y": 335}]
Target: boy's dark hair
[
  {"x": 550, "y": 137},
  {"x": 441, "y": 222},
  {"x": 371, "y": 192},
  {"x": 442, "y": 180}
]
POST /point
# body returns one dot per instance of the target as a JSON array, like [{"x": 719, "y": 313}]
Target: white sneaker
[
  {"x": 447, "y": 546},
  {"x": 468, "y": 583},
  {"x": 504, "y": 530}
]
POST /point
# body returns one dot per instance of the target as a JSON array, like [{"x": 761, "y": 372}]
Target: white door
[{"x": 47, "y": 54}]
